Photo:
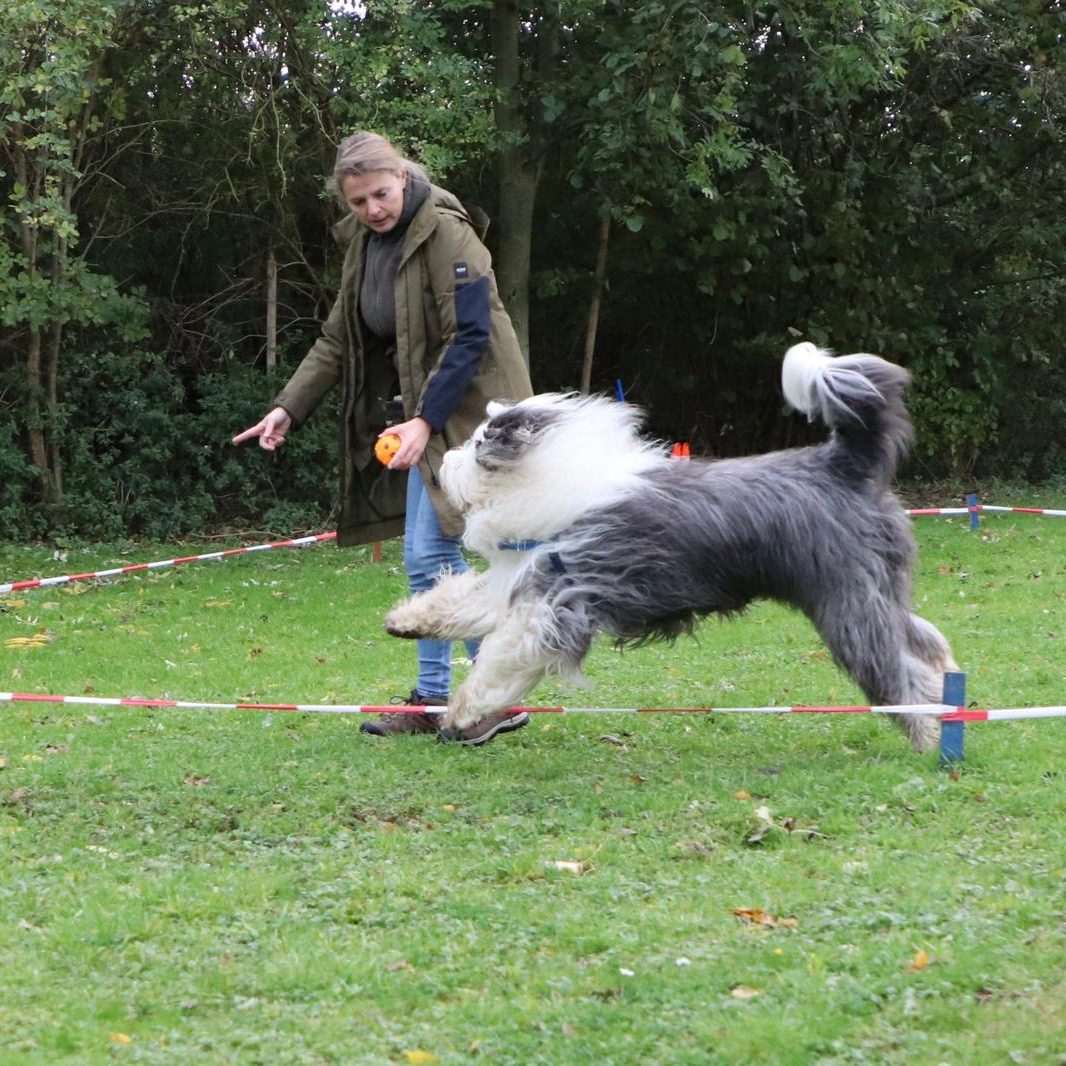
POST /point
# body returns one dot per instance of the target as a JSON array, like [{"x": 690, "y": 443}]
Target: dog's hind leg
[
  {"x": 893, "y": 656},
  {"x": 458, "y": 607},
  {"x": 926, "y": 658},
  {"x": 530, "y": 642}
]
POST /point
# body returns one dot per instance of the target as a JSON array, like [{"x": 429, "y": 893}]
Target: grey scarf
[{"x": 377, "y": 300}]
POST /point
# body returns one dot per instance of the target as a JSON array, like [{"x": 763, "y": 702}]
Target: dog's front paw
[
  {"x": 454, "y": 724},
  {"x": 403, "y": 621}
]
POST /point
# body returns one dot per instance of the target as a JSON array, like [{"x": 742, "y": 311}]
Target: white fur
[
  {"x": 809, "y": 390},
  {"x": 588, "y": 458},
  {"x": 538, "y": 483},
  {"x": 800, "y": 373}
]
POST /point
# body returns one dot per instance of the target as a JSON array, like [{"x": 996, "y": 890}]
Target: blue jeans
[{"x": 426, "y": 553}]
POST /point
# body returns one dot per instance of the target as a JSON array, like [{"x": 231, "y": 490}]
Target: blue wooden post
[
  {"x": 975, "y": 516},
  {"x": 953, "y": 734}
]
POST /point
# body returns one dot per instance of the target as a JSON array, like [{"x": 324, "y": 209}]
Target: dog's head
[
  {"x": 512, "y": 430},
  {"x": 472, "y": 472},
  {"x": 545, "y": 459}
]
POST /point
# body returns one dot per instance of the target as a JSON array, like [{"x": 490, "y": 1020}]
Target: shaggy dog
[{"x": 589, "y": 528}]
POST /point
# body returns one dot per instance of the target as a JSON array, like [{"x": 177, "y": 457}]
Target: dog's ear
[{"x": 510, "y": 433}]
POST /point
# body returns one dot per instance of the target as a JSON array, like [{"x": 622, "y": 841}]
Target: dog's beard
[
  {"x": 459, "y": 478},
  {"x": 532, "y": 469}
]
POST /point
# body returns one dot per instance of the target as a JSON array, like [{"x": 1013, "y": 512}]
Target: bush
[{"x": 145, "y": 454}]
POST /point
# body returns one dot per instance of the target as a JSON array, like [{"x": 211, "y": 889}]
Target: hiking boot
[
  {"x": 391, "y": 725},
  {"x": 483, "y": 731}
]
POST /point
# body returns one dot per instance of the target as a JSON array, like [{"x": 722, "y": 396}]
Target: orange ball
[{"x": 386, "y": 447}]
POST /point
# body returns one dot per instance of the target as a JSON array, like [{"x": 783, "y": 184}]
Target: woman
[{"x": 417, "y": 328}]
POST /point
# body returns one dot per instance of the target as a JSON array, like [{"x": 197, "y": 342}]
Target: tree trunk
[
  {"x": 594, "y": 304},
  {"x": 519, "y": 172},
  {"x": 54, "y": 479},
  {"x": 272, "y": 314},
  {"x": 36, "y": 418}
]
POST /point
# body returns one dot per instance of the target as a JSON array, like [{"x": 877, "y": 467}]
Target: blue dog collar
[{"x": 530, "y": 545}]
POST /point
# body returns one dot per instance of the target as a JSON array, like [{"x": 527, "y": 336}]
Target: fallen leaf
[
  {"x": 195, "y": 780},
  {"x": 120, "y": 1038},
  {"x": 742, "y": 794},
  {"x": 757, "y": 836},
  {"x": 757, "y": 916},
  {"x": 744, "y": 992},
  {"x": 570, "y": 866},
  {"x": 695, "y": 847},
  {"x": 420, "y": 1058},
  {"x": 609, "y": 738},
  {"x": 920, "y": 961},
  {"x": 40, "y": 639},
  {"x": 636, "y": 779},
  {"x": 754, "y": 915}
]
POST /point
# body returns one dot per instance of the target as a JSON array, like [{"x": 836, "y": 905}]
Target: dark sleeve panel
[{"x": 460, "y": 362}]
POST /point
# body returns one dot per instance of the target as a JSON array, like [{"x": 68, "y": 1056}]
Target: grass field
[{"x": 242, "y": 887}]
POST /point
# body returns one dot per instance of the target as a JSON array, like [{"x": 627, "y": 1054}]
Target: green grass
[{"x": 241, "y": 887}]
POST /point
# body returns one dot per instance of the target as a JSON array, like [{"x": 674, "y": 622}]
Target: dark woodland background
[{"x": 678, "y": 192}]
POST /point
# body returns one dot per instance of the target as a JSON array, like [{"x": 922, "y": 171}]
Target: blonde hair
[{"x": 365, "y": 153}]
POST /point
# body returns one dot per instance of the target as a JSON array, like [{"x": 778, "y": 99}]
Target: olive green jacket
[{"x": 442, "y": 252}]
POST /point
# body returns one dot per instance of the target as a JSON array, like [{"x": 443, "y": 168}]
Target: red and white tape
[
  {"x": 301, "y": 542},
  {"x": 45, "y": 582},
  {"x": 981, "y": 508},
  {"x": 946, "y": 712}
]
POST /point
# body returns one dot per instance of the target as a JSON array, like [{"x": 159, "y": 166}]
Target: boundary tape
[
  {"x": 973, "y": 510},
  {"x": 45, "y": 582},
  {"x": 946, "y": 712}
]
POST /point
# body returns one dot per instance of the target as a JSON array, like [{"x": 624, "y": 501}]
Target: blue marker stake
[
  {"x": 953, "y": 734},
  {"x": 975, "y": 515}
]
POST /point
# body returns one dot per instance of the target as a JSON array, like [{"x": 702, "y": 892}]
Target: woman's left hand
[{"x": 414, "y": 436}]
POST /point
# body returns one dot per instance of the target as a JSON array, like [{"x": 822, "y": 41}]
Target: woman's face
[{"x": 375, "y": 198}]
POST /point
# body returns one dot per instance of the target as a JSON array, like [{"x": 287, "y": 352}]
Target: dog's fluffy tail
[{"x": 860, "y": 397}]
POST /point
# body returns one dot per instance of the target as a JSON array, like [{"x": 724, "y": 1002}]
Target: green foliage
[
  {"x": 884, "y": 177},
  {"x": 49, "y": 79},
  {"x": 408, "y": 71},
  {"x": 856, "y": 191},
  {"x": 163, "y": 464}
]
